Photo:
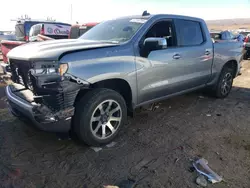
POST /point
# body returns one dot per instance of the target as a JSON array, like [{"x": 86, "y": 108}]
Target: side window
[
  {"x": 163, "y": 29},
  {"x": 189, "y": 33}
]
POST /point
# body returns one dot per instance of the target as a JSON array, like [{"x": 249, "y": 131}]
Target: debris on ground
[
  {"x": 151, "y": 107},
  {"x": 154, "y": 106},
  {"x": 201, "y": 166},
  {"x": 129, "y": 183},
  {"x": 201, "y": 180},
  {"x": 201, "y": 97},
  {"x": 208, "y": 115},
  {"x": 110, "y": 145},
  {"x": 191, "y": 169},
  {"x": 176, "y": 160},
  {"x": 218, "y": 114},
  {"x": 96, "y": 149},
  {"x": 123, "y": 184}
]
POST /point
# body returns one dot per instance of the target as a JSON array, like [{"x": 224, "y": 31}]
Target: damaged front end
[{"x": 46, "y": 87}]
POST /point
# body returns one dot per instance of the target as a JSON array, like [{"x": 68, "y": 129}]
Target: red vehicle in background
[
  {"x": 22, "y": 30},
  {"x": 79, "y": 29}
]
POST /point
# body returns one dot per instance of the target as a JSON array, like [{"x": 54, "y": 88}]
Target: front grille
[{"x": 20, "y": 71}]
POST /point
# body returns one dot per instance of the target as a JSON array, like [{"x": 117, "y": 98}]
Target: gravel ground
[{"x": 155, "y": 149}]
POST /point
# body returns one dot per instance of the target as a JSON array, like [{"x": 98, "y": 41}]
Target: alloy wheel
[
  {"x": 106, "y": 119},
  {"x": 226, "y": 83}
]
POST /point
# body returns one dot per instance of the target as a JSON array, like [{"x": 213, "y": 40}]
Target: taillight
[{"x": 246, "y": 39}]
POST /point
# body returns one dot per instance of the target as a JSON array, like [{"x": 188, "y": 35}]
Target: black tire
[
  {"x": 218, "y": 90},
  {"x": 87, "y": 107}
]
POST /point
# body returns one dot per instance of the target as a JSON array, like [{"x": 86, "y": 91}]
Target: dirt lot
[{"x": 155, "y": 148}]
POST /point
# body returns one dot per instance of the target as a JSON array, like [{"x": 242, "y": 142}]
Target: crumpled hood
[{"x": 53, "y": 49}]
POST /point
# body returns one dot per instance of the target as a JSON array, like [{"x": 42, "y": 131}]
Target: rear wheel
[
  {"x": 99, "y": 116},
  {"x": 225, "y": 82}
]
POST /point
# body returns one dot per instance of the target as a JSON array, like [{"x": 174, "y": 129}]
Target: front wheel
[
  {"x": 99, "y": 116},
  {"x": 225, "y": 82}
]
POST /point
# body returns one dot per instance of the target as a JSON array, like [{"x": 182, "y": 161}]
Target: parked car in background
[
  {"x": 240, "y": 37},
  {"x": 22, "y": 30},
  {"x": 90, "y": 84},
  {"x": 47, "y": 31},
  {"x": 245, "y": 33},
  {"x": 246, "y": 44},
  {"x": 4, "y": 36},
  {"x": 78, "y": 30},
  {"x": 222, "y": 35}
]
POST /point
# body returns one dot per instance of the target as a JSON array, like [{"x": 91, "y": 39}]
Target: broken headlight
[
  {"x": 46, "y": 67},
  {"x": 49, "y": 68}
]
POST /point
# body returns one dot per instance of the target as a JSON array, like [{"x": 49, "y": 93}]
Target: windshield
[{"x": 120, "y": 30}]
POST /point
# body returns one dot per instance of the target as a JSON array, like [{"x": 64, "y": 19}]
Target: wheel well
[
  {"x": 119, "y": 85},
  {"x": 232, "y": 64}
]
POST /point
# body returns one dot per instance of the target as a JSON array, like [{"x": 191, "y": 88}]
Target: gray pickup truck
[{"x": 89, "y": 85}]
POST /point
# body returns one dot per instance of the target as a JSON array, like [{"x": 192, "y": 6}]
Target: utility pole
[{"x": 71, "y": 10}]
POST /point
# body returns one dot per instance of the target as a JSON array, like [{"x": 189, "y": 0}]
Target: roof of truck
[{"x": 163, "y": 16}]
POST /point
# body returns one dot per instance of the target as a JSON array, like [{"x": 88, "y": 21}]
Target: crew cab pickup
[{"x": 89, "y": 85}]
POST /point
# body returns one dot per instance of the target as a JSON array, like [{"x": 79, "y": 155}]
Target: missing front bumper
[{"x": 22, "y": 105}]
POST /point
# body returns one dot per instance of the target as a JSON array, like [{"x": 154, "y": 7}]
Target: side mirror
[{"x": 154, "y": 43}]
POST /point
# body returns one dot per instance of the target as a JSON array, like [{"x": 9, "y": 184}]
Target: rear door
[{"x": 194, "y": 53}]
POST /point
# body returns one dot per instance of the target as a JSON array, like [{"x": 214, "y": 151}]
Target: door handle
[
  {"x": 207, "y": 52},
  {"x": 176, "y": 56}
]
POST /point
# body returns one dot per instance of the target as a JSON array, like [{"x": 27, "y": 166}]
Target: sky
[{"x": 100, "y": 10}]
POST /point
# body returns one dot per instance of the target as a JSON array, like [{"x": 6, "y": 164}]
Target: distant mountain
[{"x": 229, "y": 23}]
